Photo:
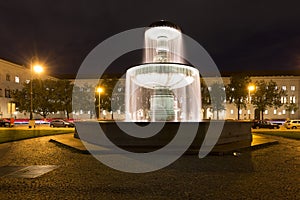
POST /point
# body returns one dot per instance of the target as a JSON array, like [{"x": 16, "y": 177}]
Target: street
[{"x": 267, "y": 173}]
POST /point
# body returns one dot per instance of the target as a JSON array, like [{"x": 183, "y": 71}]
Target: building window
[
  {"x": 17, "y": 79},
  {"x": 266, "y": 112},
  {"x": 293, "y": 88},
  {"x": 293, "y": 112},
  {"x": 231, "y": 112},
  {"x": 7, "y": 93},
  {"x": 275, "y": 112},
  {"x": 283, "y": 99},
  {"x": 7, "y": 77},
  {"x": 283, "y": 112},
  {"x": 283, "y": 87},
  {"x": 292, "y": 99}
]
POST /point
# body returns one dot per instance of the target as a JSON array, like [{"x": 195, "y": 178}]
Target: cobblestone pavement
[{"x": 268, "y": 173}]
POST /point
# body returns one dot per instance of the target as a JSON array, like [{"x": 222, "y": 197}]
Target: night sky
[{"x": 239, "y": 35}]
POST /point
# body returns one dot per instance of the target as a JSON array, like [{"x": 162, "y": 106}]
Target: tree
[
  {"x": 267, "y": 95},
  {"x": 108, "y": 85},
  {"x": 64, "y": 96},
  {"x": 113, "y": 97},
  {"x": 83, "y": 99},
  {"x": 47, "y": 96},
  {"x": 205, "y": 98},
  {"x": 218, "y": 97},
  {"x": 291, "y": 107},
  {"x": 237, "y": 91},
  {"x": 43, "y": 97}
]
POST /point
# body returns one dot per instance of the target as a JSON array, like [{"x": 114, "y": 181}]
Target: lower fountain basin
[{"x": 232, "y": 132}]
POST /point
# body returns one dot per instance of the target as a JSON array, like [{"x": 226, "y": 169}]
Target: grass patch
[
  {"x": 287, "y": 134},
  {"x": 9, "y": 135}
]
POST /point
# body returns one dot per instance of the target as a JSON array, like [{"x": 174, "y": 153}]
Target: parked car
[
  {"x": 5, "y": 123},
  {"x": 264, "y": 124},
  {"x": 293, "y": 124},
  {"x": 277, "y": 121},
  {"x": 61, "y": 123}
]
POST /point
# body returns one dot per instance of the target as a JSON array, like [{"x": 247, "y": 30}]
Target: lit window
[
  {"x": 275, "y": 112},
  {"x": 283, "y": 112},
  {"x": 17, "y": 79},
  {"x": 283, "y": 87},
  {"x": 292, "y": 99},
  {"x": 240, "y": 112},
  {"x": 283, "y": 99},
  {"x": 209, "y": 88},
  {"x": 293, "y": 112},
  {"x": 293, "y": 88},
  {"x": 231, "y": 112},
  {"x": 249, "y": 112},
  {"x": 266, "y": 112}
]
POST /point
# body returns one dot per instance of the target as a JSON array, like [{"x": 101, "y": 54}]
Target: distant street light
[
  {"x": 37, "y": 69},
  {"x": 99, "y": 90},
  {"x": 250, "y": 88}
]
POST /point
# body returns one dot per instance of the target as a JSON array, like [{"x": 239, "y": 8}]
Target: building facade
[
  {"x": 291, "y": 84},
  {"x": 13, "y": 77}
]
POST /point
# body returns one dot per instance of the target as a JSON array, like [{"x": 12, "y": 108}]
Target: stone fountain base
[{"x": 233, "y": 132}]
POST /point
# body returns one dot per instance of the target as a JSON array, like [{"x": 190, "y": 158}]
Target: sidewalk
[{"x": 68, "y": 141}]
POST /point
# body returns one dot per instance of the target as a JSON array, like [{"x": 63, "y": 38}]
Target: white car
[{"x": 293, "y": 124}]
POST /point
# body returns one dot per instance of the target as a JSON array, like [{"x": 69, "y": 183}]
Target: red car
[{"x": 5, "y": 123}]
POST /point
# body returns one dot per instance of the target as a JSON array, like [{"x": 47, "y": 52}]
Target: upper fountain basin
[{"x": 166, "y": 75}]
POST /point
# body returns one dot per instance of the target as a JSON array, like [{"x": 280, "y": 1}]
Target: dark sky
[{"x": 239, "y": 35}]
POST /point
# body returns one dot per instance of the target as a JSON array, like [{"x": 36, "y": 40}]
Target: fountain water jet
[{"x": 164, "y": 88}]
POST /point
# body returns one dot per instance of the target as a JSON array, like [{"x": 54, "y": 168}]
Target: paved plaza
[{"x": 272, "y": 172}]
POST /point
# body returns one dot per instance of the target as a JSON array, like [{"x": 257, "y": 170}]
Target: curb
[
  {"x": 188, "y": 152},
  {"x": 71, "y": 148}
]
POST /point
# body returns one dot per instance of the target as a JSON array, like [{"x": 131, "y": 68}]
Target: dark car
[
  {"x": 264, "y": 124},
  {"x": 61, "y": 123},
  {"x": 5, "y": 123}
]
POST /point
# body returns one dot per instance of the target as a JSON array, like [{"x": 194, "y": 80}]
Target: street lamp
[
  {"x": 99, "y": 90},
  {"x": 250, "y": 88},
  {"x": 37, "y": 69}
]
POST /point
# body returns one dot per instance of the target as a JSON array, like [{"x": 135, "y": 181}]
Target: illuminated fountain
[{"x": 164, "y": 88}]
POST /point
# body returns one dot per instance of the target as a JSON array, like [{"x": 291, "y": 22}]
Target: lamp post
[
  {"x": 99, "y": 90},
  {"x": 250, "y": 88},
  {"x": 37, "y": 69}
]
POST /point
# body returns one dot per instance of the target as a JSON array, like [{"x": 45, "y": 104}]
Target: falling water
[
  {"x": 164, "y": 88},
  {"x": 163, "y": 46}
]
